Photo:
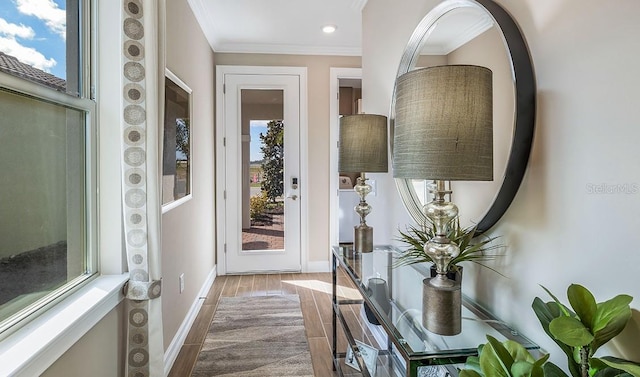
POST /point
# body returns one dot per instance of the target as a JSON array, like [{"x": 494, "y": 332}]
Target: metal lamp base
[
  {"x": 363, "y": 239},
  {"x": 442, "y": 308}
]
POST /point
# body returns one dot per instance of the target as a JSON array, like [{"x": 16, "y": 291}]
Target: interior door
[{"x": 262, "y": 177}]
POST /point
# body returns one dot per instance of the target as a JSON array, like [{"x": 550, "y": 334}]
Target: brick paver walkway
[{"x": 265, "y": 237}]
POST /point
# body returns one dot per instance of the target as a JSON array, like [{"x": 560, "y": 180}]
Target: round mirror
[{"x": 479, "y": 33}]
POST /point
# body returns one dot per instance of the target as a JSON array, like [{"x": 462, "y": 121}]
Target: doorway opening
[
  {"x": 346, "y": 94},
  {"x": 260, "y": 124}
]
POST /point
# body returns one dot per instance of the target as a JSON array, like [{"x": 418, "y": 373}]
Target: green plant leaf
[
  {"x": 465, "y": 236},
  {"x": 610, "y": 372},
  {"x": 546, "y": 312},
  {"x": 495, "y": 363},
  {"x": 625, "y": 365},
  {"x": 537, "y": 371},
  {"x": 525, "y": 364},
  {"x": 610, "y": 319},
  {"x": 540, "y": 362},
  {"x": 552, "y": 370},
  {"x": 521, "y": 369},
  {"x": 491, "y": 364},
  {"x": 415, "y": 239},
  {"x": 473, "y": 362},
  {"x": 563, "y": 308},
  {"x": 597, "y": 368},
  {"x": 469, "y": 373},
  {"x": 570, "y": 331},
  {"x": 583, "y": 303},
  {"x": 518, "y": 352}
]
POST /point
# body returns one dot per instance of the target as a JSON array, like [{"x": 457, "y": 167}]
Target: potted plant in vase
[
  {"x": 472, "y": 248},
  {"x": 442, "y": 292}
]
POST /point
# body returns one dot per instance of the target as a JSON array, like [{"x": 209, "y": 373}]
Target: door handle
[{"x": 294, "y": 196}]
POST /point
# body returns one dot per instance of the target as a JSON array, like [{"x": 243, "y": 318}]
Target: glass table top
[{"x": 395, "y": 296}]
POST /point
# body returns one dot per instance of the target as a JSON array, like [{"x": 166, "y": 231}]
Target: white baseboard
[
  {"x": 171, "y": 354},
  {"x": 318, "y": 266}
]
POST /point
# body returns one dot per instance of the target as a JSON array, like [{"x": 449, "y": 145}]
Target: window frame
[
  {"x": 84, "y": 102},
  {"x": 168, "y": 206}
]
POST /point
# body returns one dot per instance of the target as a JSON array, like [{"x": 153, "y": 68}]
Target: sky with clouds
[
  {"x": 34, "y": 31},
  {"x": 256, "y": 128}
]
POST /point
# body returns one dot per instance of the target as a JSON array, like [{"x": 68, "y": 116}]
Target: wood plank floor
[{"x": 314, "y": 290}]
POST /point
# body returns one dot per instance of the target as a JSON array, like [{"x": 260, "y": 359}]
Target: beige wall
[
  {"x": 97, "y": 353},
  {"x": 318, "y": 134},
  {"x": 188, "y": 231},
  {"x": 559, "y": 229}
]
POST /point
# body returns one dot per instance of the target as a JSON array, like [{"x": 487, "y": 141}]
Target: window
[{"x": 47, "y": 156}]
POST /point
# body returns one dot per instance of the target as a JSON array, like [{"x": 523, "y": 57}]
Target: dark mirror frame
[{"x": 525, "y": 106}]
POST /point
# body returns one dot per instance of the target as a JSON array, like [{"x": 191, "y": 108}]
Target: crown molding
[
  {"x": 207, "y": 25},
  {"x": 463, "y": 37},
  {"x": 287, "y": 49}
]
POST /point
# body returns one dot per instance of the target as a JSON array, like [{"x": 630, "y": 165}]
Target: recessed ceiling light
[{"x": 329, "y": 28}]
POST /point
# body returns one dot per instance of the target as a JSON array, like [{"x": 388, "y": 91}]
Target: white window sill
[
  {"x": 176, "y": 203},
  {"x": 36, "y": 346}
]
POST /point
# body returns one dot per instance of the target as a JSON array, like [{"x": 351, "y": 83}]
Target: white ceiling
[
  {"x": 281, "y": 26},
  {"x": 456, "y": 28}
]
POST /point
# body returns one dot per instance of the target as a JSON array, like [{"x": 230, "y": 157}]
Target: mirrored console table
[{"x": 389, "y": 339}]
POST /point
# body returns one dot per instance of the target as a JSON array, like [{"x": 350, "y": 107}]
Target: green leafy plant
[
  {"x": 582, "y": 331},
  {"x": 471, "y": 247},
  {"x": 507, "y": 359},
  {"x": 273, "y": 163},
  {"x": 258, "y": 205}
]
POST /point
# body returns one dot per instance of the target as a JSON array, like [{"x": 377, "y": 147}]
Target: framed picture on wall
[{"x": 176, "y": 159}]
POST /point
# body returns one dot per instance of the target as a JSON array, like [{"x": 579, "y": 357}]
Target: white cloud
[
  {"x": 48, "y": 11},
  {"x": 26, "y": 55},
  {"x": 15, "y": 30}
]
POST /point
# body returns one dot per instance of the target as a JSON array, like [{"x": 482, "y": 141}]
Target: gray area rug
[{"x": 256, "y": 336}]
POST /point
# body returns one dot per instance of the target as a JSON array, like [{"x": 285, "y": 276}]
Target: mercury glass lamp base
[
  {"x": 442, "y": 308},
  {"x": 363, "y": 238}
]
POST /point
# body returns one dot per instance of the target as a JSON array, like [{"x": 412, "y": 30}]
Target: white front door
[{"x": 262, "y": 174}]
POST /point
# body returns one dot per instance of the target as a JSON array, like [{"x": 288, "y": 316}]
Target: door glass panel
[{"x": 262, "y": 131}]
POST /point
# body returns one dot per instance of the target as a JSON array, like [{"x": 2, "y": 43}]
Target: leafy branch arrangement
[
  {"x": 476, "y": 251},
  {"x": 582, "y": 331}
]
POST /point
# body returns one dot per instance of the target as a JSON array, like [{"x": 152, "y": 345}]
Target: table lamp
[
  {"x": 362, "y": 148},
  {"x": 443, "y": 132}
]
